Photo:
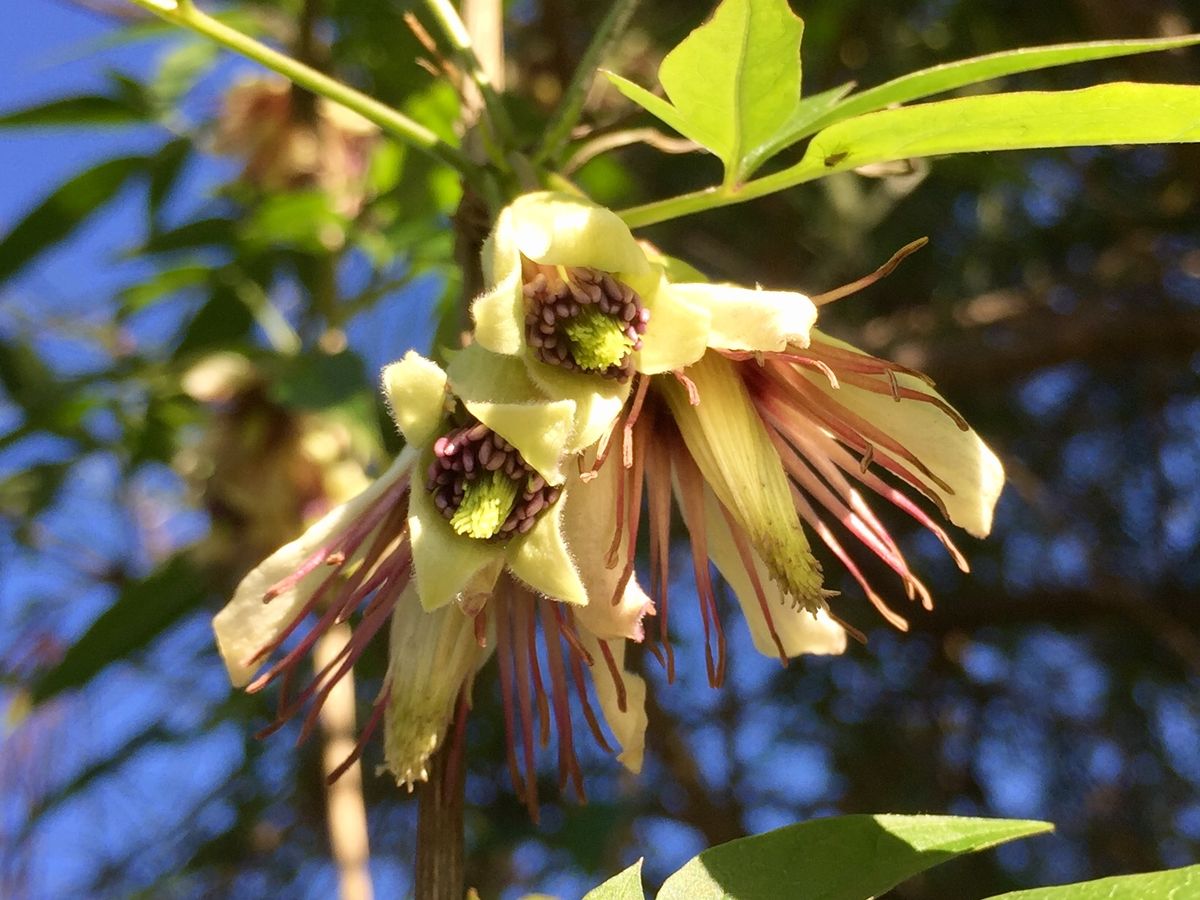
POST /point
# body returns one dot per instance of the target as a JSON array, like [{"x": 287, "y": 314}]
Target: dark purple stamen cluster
[
  {"x": 464, "y": 454},
  {"x": 551, "y": 303}
]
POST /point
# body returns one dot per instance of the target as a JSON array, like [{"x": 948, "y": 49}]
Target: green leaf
[
  {"x": 165, "y": 168},
  {"x": 843, "y": 858},
  {"x": 803, "y": 122},
  {"x": 89, "y": 109},
  {"x": 143, "y": 611},
  {"x": 1120, "y": 113},
  {"x": 1173, "y": 884},
  {"x": 949, "y": 76},
  {"x": 305, "y": 220},
  {"x": 320, "y": 380},
  {"x": 163, "y": 283},
  {"x": 190, "y": 235},
  {"x": 733, "y": 83},
  {"x": 624, "y": 886},
  {"x": 179, "y": 70},
  {"x": 223, "y": 320},
  {"x": 63, "y": 211}
]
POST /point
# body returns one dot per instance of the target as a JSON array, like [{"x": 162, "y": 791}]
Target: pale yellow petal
[
  {"x": 542, "y": 560},
  {"x": 598, "y": 401},
  {"x": 539, "y": 431},
  {"x": 735, "y": 455},
  {"x": 560, "y": 230},
  {"x": 432, "y": 656},
  {"x": 246, "y": 624},
  {"x": 415, "y": 388},
  {"x": 628, "y": 725},
  {"x": 499, "y": 314},
  {"x": 477, "y": 374},
  {"x": 960, "y": 458},
  {"x": 589, "y": 522},
  {"x": 676, "y": 335},
  {"x": 745, "y": 319},
  {"x": 799, "y": 630},
  {"x": 443, "y": 561}
]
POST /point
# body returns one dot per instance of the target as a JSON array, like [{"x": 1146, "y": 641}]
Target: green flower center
[
  {"x": 597, "y": 340},
  {"x": 486, "y": 504}
]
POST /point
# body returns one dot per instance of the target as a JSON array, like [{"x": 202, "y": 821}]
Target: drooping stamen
[
  {"x": 867, "y": 280},
  {"x": 583, "y": 320},
  {"x": 658, "y": 489},
  {"x": 483, "y": 486},
  {"x": 691, "y": 492}
]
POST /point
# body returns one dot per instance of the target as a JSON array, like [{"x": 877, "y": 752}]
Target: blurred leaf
[
  {"x": 947, "y": 77},
  {"x": 26, "y": 379},
  {"x": 165, "y": 168},
  {"x": 223, "y": 320},
  {"x": 198, "y": 233},
  {"x": 304, "y": 220},
  {"x": 626, "y": 885},
  {"x": 841, "y": 858},
  {"x": 1120, "y": 113},
  {"x": 71, "y": 204},
  {"x": 162, "y": 284},
  {"x": 87, "y": 109},
  {"x": 179, "y": 70},
  {"x": 27, "y": 492},
  {"x": 143, "y": 611},
  {"x": 1174, "y": 884},
  {"x": 320, "y": 380}
]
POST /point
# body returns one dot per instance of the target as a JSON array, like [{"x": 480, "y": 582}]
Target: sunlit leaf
[
  {"x": 733, "y": 83},
  {"x": 842, "y": 858},
  {"x": 71, "y": 204},
  {"x": 948, "y": 76},
  {"x": 1120, "y": 113},
  {"x": 162, "y": 284},
  {"x": 143, "y": 611},
  {"x": 1173, "y": 884},
  {"x": 626, "y": 885}
]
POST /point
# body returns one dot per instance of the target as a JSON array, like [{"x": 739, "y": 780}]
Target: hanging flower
[
  {"x": 728, "y": 398},
  {"x": 470, "y": 512}
]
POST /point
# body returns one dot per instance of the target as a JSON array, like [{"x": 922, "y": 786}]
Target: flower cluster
[{"x": 606, "y": 386}]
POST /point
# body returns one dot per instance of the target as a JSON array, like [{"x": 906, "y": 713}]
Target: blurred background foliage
[{"x": 195, "y": 298}]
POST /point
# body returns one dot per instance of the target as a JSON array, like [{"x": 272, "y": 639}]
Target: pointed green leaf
[
  {"x": 733, "y": 82},
  {"x": 1173, "y": 884},
  {"x": 1120, "y": 113},
  {"x": 803, "y": 122},
  {"x": 843, "y": 858},
  {"x": 626, "y": 885},
  {"x": 165, "y": 168},
  {"x": 143, "y": 611},
  {"x": 90, "y": 109},
  {"x": 947, "y": 77},
  {"x": 223, "y": 320},
  {"x": 63, "y": 211}
]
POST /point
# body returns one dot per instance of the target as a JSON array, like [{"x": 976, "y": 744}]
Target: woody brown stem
[{"x": 440, "y": 868}]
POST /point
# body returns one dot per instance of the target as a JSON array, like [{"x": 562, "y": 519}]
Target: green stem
[
  {"x": 571, "y": 105},
  {"x": 456, "y": 32},
  {"x": 714, "y": 197},
  {"x": 184, "y": 14}
]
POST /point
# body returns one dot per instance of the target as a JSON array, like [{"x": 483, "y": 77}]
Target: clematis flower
[
  {"x": 727, "y": 398},
  {"x": 459, "y": 544}
]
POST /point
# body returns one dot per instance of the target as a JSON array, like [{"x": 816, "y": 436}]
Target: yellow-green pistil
[
  {"x": 483, "y": 486},
  {"x": 596, "y": 340},
  {"x": 583, "y": 320},
  {"x": 485, "y": 505}
]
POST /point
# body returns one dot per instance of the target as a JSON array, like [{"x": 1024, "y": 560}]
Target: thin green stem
[
  {"x": 571, "y": 105},
  {"x": 456, "y": 32},
  {"x": 184, "y": 14},
  {"x": 714, "y": 197}
]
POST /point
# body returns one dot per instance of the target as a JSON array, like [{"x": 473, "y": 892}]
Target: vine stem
[
  {"x": 411, "y": 132},
  {"x": 559, "y": 131}
]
